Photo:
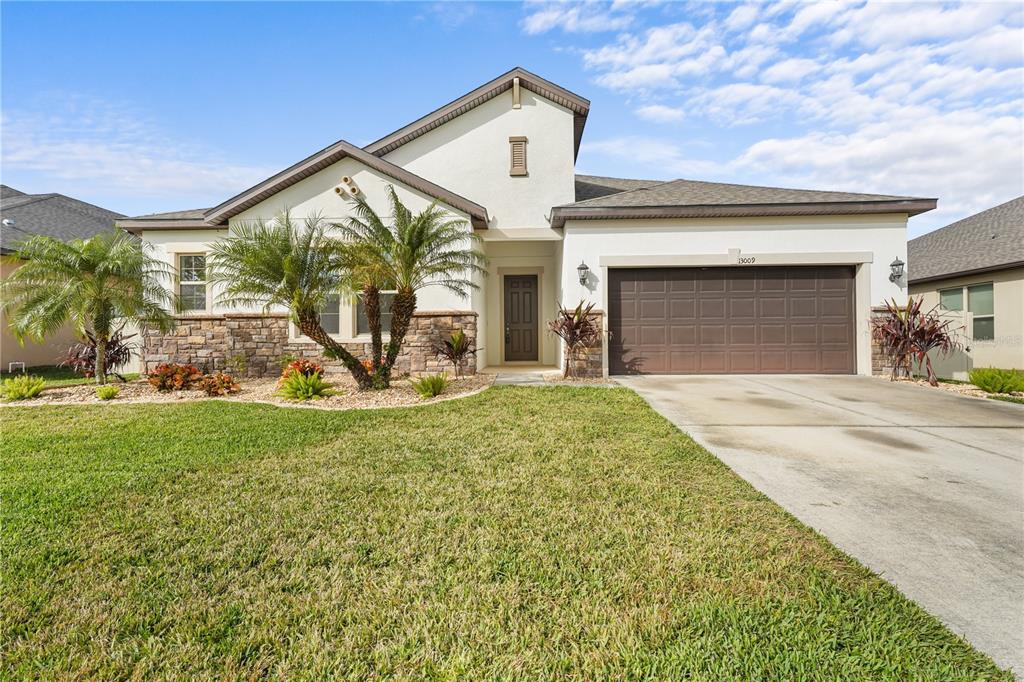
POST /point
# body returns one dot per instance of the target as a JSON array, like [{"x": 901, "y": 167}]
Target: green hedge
[{"x": 995, "y": 380}]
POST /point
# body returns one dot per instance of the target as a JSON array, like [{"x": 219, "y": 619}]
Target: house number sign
[{"x": 746, "y": 260}]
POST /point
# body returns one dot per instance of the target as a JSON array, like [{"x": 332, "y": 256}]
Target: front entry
[{"x": 521, "y": 330}]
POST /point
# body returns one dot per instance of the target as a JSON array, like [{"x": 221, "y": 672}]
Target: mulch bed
[
  {"x": 347, "y": 396},
  {"x": 969, "y": 390}
]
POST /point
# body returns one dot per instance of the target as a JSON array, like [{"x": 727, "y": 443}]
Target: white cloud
[
  {"x": 98, "y": 147},
  {"x": 907, "y": 98},
  {"x": 660, "y": 113},
  {"x": 578, "y": 18}
]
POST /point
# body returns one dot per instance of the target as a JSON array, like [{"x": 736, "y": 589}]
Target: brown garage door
[{"x": 731, "y": 320}]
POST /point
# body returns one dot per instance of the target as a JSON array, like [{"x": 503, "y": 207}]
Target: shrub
[
  {"x": 457, "y": 349},
  {"x": 578, "y": 328},
  {"x": 430, "y": 385},
  {"x": 23, "y": 387},
  {"x": 169, "y": 376},
  {"x": 300, "y": 366},
  {"x": 299, "y": 386},
  {"x": 907, "y": 335},
  {"x": 993, "y": 380},
  {"x": 81, "y": 357},
  {"x": 219, "y": 384},
  {"x": 107, "y": 392}
]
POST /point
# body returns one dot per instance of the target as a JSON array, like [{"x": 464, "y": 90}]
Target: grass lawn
[
  {"x": 56, "y": 375},
  {"x": 523, "y": 533}
]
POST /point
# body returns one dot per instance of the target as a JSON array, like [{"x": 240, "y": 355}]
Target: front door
[{"x": 521, "y": 328}]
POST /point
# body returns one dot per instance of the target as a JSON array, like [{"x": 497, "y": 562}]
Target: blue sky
[{"x": 143, "y": 107}]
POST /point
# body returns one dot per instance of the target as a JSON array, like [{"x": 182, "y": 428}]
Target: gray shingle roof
[
  {"x": 53, "y": 215},
  {"x": 190, "y": 214},
  {"x": 594, "y": 186},
  {"x": 698, "y": 193},
  {"x": 990, "y": 240}
]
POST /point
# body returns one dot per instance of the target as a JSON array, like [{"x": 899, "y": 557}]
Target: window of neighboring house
[
  {"x": 980, "y": 304},
  {"x": 192, "y": 282},
  {"x": 363, "y": 325},
  {"x": 517, "y": 151},
  {"x": 330, "y": 315}
]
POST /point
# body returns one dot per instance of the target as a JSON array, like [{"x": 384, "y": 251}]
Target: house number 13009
[{"x": 746, "y": 260}]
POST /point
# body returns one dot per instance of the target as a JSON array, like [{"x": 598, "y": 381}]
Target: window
[
  {"x": 192, "y": 282},
  {"x": 517, "y": 151},
  {"x": 330, "y": 315},
  {"x": 363, "y": 325},
  {"x": 980, "y": 304}
]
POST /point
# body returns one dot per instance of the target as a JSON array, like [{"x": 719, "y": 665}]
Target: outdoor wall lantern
[
  {"x": 582, "y": 271},
  {"x": 896, "y": 270}
]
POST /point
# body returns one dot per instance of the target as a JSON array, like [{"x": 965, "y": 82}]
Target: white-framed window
[
  {"x": 192, "y": 281},
  {"x": 363, "y": 324},
  {"x": 980, "y": 303},
  {"x": 330, "y": 315}
]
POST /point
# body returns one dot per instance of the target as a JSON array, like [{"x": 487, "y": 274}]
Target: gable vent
[{"x": 517, "y": 150}]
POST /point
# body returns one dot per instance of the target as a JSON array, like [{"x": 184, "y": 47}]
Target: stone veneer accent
[
  {"x": 590, "y": 365},
  {"x": 214, "y": 342},
  {"x": 879, "y": 362}
]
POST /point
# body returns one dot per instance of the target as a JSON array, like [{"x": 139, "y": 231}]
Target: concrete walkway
[{"x": 922, "y": 486}]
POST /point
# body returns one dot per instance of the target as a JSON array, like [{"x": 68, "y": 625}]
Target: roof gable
[
  {"x": 990, "y": 240},
  {"x": 219, "y": 215},
  {"x": 503, "y": 83}
]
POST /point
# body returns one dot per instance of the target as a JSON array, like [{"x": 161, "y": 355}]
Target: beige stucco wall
[
  {"x": 50, "y": 352},
  {"x": 1007, "y": 349},
  {"x": 469, "y": 155}
]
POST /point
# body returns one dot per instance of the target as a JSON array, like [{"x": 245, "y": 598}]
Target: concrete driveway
[{"x": 922, "y": 486}]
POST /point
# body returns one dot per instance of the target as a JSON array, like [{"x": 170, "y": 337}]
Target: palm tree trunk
[
  {"x": 309, "y": 324},
  {"x": 101, "y": 360},
  {"x": 371, "y": 304},
  {"x": 403, "y": 305}
]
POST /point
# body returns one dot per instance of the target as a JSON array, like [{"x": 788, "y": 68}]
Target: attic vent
[{"x": 517, "y": 149}]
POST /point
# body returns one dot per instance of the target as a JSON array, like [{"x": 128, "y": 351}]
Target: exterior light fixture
[
  {"x": 896, "y": 270},
  {"x": 582, "y": 271}
]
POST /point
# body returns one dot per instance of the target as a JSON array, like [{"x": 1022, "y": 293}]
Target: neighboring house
[
  {"x": 54, "y": 215},
  {"x": 973, "y": 270},
  {"x": 689, "y": 276}
]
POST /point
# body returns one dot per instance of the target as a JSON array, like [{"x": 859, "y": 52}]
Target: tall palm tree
[
  {"x": 404, "y": 255},
  {"x": 291, "y": 265},
  {"x": 93, "y": 283}
]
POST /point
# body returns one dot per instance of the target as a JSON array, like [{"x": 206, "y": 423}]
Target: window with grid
[
  {"x": 363, "y": 324},
  {"x": 980, "y": 303},
  {"x": 330, "y": 315},
  {"x": 192, "y": 282}
]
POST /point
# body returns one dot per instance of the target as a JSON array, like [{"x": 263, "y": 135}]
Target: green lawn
[
  {"x": 56, "y": 375},
  {"x": 523, "y": 533}
]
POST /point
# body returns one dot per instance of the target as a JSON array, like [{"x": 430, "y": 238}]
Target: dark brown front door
[
  {"x": 521, "y": 317},
  {"x": 738, "y": 320}
]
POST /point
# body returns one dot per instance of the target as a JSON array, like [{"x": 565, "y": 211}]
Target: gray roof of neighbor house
[
  {"x": 697, "y": 199},
  {"x": 990, "y": 240},
  {"x": 53, "y": 215}
]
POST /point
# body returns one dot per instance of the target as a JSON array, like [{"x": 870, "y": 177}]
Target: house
[
  {"x": 55, "y": 215},
  {"x": 688, "y": 276},
  {"x": 973, "y": 270}
]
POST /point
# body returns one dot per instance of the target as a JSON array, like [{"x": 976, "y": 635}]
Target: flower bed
[{"x": 262, "y": 391}]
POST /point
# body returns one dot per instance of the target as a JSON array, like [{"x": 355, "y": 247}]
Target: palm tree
[
  {"x": 92, "y": 283},
  {"x": 294, "y": 266},
  {"x": 413, "y": 251}
]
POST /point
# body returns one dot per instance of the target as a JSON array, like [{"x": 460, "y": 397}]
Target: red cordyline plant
[
  {"x": 907, "y": 334},
  {"x": 579, "y": 330}
]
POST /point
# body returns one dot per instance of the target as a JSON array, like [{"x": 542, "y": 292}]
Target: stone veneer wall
[
  {"x": 879, "y": 362},
  {"x": 213, "y": 342},
  {"x": 590, "y": 366}
]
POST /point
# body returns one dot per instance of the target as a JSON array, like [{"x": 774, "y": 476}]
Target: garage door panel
[{"x": 735, "y": 319}]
